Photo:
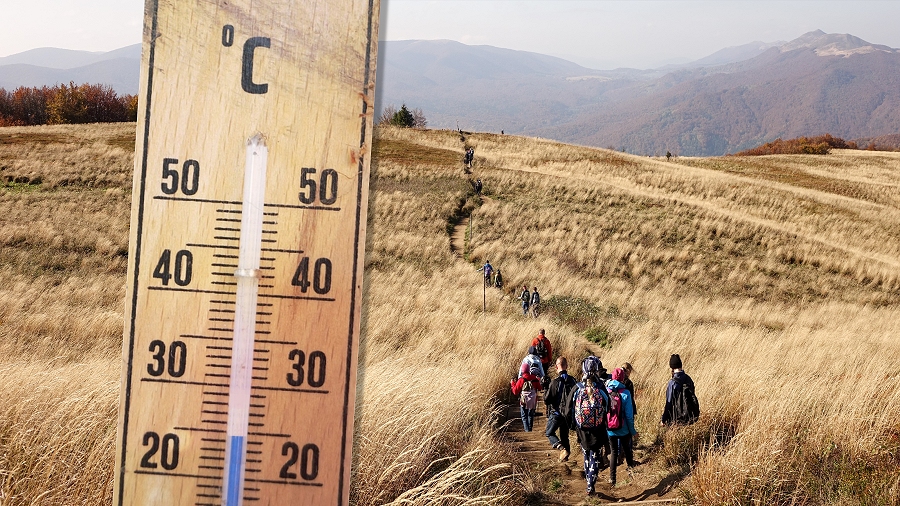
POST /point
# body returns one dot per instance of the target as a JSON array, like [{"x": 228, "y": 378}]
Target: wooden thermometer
[{"x": 245, "y": 265}]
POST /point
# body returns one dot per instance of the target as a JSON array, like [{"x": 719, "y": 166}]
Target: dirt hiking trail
[
  {"x": 458, "y": 237},
  {"x": 563, "y": 483}
]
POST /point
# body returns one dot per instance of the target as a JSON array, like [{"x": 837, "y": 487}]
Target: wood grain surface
[{"x": 214, "y": 74}]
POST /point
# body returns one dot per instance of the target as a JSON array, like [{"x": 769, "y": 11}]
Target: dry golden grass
[
  {"x": 781, "y": 295},
  {"x": 777, "y": 279},
  {"x": 58, "y": 156}
]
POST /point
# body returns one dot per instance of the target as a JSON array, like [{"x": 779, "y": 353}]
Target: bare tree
[
  {"x": 419, "y": 120},
  {"x": 387, "y": 114}
]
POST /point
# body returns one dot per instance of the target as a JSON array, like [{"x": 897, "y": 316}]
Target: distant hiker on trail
[
  {"x": 525, "y": 297},
  {"x": 682, "y": 407},
  {"x": 478, "y": 186},
  {"x": 619, "y": 422},
  {"x": 470, "y": 156},
  {"x": 488, "y": 269},
  {"x": 558, "y": 401},
  {"x": 526, "y": 387},
  {"x": 530, "y": 360},
  {"x": 544, "y": 350},
  {"x": 498, "y": 280},
  {"x": 591, "y": 404},
  {"x": 535, "y": 302}
]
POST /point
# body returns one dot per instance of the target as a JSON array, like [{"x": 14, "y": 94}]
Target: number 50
[{"x": 328, "y": 186}]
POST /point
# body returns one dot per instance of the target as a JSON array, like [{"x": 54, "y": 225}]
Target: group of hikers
[
  {"x": 492, "y": 277},
  {"x": 600, "y": 408},
  {"x": 531, "y": 301}
]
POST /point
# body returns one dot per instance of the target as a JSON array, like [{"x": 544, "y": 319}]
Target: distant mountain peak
[{"x": 833, "y": 44}]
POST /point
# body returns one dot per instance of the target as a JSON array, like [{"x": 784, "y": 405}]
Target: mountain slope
[
  {"x": 731, "y": 100},
  {"x": 484, "y": 87},
  {"x": 781, "y": 93}
]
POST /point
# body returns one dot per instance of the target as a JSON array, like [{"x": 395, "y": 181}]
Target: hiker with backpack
[
  {"x": 590, "y": 405},
  {"x": 530, "y": 360},
  {"x": 619, "y": 422},
  {"x": 543, "y": 350},
  {"x": 525, "y": 297},
  {"x": 535, "y": 302},
  {"x": 498, "y": 280},
  {"x": 558, "y": 402},
  {"x": 526, "y": 388},
  {"x": 682, "y": 407}
]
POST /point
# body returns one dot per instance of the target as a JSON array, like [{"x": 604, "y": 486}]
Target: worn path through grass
[{"x": 563, "y": 483}]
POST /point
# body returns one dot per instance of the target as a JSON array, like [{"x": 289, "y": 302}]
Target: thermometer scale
[{"x": 246, "y": 252}]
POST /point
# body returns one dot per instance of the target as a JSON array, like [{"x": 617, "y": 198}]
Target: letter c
[{"x": 247, "y": 66}]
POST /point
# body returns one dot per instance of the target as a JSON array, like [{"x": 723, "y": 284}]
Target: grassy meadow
[{"x": 776, "y": 278}]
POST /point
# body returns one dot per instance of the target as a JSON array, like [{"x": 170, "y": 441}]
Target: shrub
[{"x": 821, "y": 145}]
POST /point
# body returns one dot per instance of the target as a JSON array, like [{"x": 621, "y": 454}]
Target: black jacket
[
  {"x": 673, "y": 390},
  {"x": 560, "y": 387}
]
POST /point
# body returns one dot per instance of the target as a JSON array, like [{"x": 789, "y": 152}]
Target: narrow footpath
[
  {"x": 562, "y": 483},
  {"x": 458, "y": 238}
]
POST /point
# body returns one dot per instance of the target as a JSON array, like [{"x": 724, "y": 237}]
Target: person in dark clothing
[
  {"x": 525, "y": 297},
  {"x": 561, "y": 388},
  {"x": 682, "y": 407}
]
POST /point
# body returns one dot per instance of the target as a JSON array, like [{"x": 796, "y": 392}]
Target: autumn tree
[{"x": 85, "y": 103}]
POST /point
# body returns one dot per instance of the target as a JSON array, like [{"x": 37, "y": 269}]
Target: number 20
[{"x": 309, "y": 461}]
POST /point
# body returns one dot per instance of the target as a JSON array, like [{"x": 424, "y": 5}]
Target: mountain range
[
  {"x": 48, "y": 66},
  {"x": 731, "y": 100}
]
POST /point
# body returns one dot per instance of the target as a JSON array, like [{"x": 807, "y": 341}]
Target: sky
[{"x": 601, "y": 34}]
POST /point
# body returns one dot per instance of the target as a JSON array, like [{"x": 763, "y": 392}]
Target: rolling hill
[{"x": 775, "y": 278}]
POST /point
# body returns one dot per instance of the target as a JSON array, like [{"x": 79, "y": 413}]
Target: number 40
[{"x": 321, "y": 275}]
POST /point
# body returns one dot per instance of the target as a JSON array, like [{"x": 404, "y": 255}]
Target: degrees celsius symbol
[{"x": 247, "y": 59}]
